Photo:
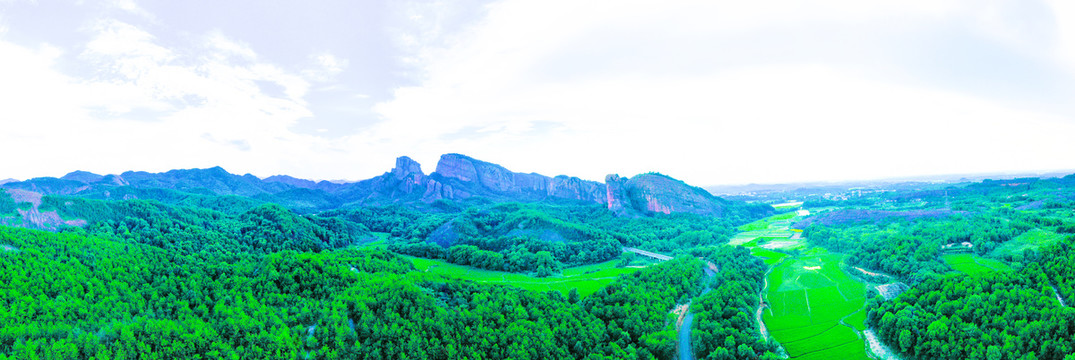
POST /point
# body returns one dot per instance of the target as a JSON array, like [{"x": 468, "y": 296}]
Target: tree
[
  {"x": 721, "y": 354},
  {"x": 545, "y": 259},
  {"x": 992, "y": 353},
  {"x": 906, "y": 340},
  {"x": 729, "y": 342},
  {"x": 746, "y": 352}
]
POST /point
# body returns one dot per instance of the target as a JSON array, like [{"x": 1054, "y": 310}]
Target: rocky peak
[
  {"x": 487, "y": 175},
  {"x": 616, "y": 194},
  {"x": 660, "y": 193},
  {"x": 457, "y": 166},
  {"x": 406, "y": 166}
]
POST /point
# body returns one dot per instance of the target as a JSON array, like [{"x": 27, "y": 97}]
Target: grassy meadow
[
  {"x": 587, "y": 279},
  {"x": 972, "y": 265},
  {"x": 1032, "y": 239}
]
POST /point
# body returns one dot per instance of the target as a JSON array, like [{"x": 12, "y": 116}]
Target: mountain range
[{"x": 457, "y": 179}]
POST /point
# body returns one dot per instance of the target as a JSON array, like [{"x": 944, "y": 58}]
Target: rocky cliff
[
  {"x": 616, "y": 194},
  {"x": 457, "y": 178},
  {"x": 487, "y": 179},
  {"x": 656, "y": 193}
]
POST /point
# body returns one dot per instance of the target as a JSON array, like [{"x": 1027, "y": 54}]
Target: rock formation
[
  {"x": 488, "y": 179},
  {"x": 656, "y": 193},
  {"x": 616, "y": 194},
  {"x": 457, "y": 178}
]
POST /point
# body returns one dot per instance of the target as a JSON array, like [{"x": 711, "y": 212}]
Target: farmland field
[
  {"x": 1032, "y": 239},
  {"x": 851, "y": 350},
  {"x": 788, "y": 205},
  {"x": 857, "y": 320},
  {"x": 771, "y": 228},
  {"x": 770, "y": 257},
  {"x": 819, "y": 343},
  {"x": 763, "y": 224},
  {"x": 972, "y": 265},
  {"x": 809, "y": 297},
  {"x": 587, "y": 279}
]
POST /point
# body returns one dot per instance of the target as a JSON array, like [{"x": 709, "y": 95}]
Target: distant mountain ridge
[{"x": 457, "y": 178}]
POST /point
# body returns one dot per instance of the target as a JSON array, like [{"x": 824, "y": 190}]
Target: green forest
[
  {"x": 171, "y": 278},
  {"x": 988, "y": 274}
]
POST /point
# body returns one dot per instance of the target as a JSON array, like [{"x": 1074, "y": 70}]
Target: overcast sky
[{"x": 711, "y": 92}]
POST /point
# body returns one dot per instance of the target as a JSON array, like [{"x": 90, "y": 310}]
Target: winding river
[{"x": 684, "y": 334}]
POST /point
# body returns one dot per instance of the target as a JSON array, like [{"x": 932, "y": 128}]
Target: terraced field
[
  {"x": 972, "y": 265},
  {"x": 587, "y": 279},
  {"x": 816, "y": 310},
  {"x": 773, "y": 228}
]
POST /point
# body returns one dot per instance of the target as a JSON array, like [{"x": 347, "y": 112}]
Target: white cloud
[
  {"x": 228, "y": 47},
  {"x": 711, "y": 92},
  {"x": 132, "y": 7},
  {"x": 209, "y": 109},
  {"x": 1064, "y": 43},
  {"x": 324, "y": 67},
  {"x": 773, "y": 115}
]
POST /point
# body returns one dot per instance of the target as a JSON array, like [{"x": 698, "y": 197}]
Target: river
[{"x": 684, "y": 344}]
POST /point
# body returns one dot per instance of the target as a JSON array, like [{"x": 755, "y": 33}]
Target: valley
[
  {"x": 810, "y": 305},
  {"x": 513, "y": 268},
  {"x": 537, "y": 180}
]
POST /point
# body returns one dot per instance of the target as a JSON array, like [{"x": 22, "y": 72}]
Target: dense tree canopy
[
  {"x": 1009, "y": 315},
  {"x": 725, "y": 326},
  {"x": 69, "y": 295}
]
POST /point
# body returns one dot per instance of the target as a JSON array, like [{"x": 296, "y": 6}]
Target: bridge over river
[
  {"x": 648, "y": 254},
  {"x": 686, "y": 318}
]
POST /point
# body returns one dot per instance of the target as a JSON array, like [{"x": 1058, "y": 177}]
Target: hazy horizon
[
  {"x": 1001, "y": 175},
  {"x": 712, "y": 93}
]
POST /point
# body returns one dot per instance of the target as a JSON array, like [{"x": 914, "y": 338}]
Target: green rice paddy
[
  {"x": 815, "y": 309},
  {"x": 973, "y": 265},
  {"x": 788, "y": 206},
  {"x": 771, "y": 228},
  {"x": 768, "y": 256},
  {"x": 857, "y": 320},
  {"x": 763, "y": 224},
  {"x": 587, "y": 279}
]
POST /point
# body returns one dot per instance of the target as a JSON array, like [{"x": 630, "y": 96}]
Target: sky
[{"x": 710, "y": 92}]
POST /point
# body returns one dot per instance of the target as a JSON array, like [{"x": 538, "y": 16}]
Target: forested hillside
[
  {"x": 1002, "y": 315},
  {"x": 988, "y": 264},
  {"x": 69, "y": 295},
  {"x": 230, "y": 271}
]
